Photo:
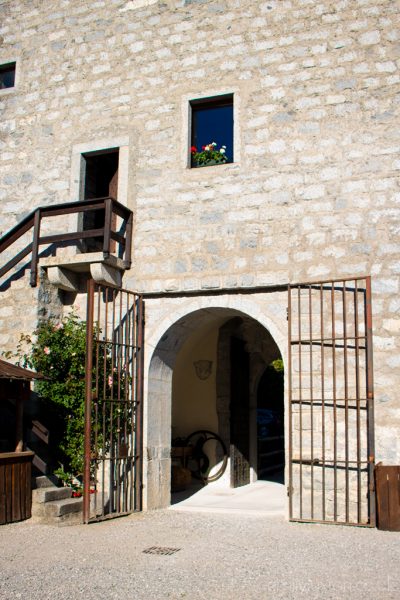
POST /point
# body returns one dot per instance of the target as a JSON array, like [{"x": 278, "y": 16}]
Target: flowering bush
[
  {"x": 58, "y": 351},
  {"x": 209, "y": 155}
]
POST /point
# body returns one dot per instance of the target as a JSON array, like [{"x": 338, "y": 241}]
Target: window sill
[
  {"x": 7, "y": 91},
  {"x": 211, "y": 164},
  {"x": 226, "y": 166}
]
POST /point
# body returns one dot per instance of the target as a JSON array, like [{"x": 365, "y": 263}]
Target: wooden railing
[{"x": 106, "y": 233}]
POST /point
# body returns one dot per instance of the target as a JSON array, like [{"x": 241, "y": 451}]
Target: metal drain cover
[{"x": 160, "y": 550}]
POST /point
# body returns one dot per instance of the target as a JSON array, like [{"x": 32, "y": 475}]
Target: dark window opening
[
  {"x": 101, "y": 181},
  {"x": 7, "y": 75},
  {"x": 212, "y": 121}
]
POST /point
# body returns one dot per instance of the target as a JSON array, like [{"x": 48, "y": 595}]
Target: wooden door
[
  {"x": 113, "y": 193},
  {"x": 240, "y": 422}
]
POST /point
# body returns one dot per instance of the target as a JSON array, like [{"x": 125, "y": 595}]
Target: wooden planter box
[{"x": 15, "y": 486}]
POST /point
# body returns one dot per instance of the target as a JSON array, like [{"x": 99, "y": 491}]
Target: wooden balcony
[{"x": 112, "y": 247}]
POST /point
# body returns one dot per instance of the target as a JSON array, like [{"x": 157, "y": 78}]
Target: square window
[
  {"x": 7, "y": 75},
  {"x": 212, "y": 122}
]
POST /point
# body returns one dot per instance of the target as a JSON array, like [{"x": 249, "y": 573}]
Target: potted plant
[{"x": 209, "y": 155}]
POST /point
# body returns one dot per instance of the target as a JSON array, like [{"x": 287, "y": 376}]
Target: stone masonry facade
[{"x": 313, "y": 192}]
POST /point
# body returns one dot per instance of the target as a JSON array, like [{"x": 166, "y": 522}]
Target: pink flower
[
  {"x": 58, "y": 326},
  {"x": 110, "y": 381},
  {"x": 46, "y": 350}
]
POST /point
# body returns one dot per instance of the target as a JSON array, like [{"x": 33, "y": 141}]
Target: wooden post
[
  {"x": 21, "y": 396},
  {"x": 19, "y": 429}
]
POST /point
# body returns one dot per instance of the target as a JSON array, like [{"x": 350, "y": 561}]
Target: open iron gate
[
  {"x": 114, "y": 403},
  {"x": 331, "y": 438}
]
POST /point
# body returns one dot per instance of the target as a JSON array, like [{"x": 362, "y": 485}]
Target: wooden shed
[{"x": 15, "y": 461}]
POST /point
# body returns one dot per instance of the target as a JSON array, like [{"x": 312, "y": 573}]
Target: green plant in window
[{"x": 209, "y": 155}]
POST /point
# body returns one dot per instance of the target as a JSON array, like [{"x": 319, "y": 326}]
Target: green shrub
[{"x": 59, "y": 352}]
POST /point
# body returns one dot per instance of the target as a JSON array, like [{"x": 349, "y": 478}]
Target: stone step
[
  {"x": 61, "y": 508},
  {"x": 63, "y": 511},
  {"x": 43, "y": 481},
  {"x": 49, "y": 494},
  {"x": 67, "y": 511}
]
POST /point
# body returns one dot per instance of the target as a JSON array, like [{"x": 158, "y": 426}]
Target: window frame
[
  {"x": 226, "y": 98},
  {"x": 101, "y": 146},
  {"x": 78, "y": 168},
  {"x": 3, "y": 67}
]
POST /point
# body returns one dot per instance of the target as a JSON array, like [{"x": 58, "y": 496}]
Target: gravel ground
[{"x": 221, "y": 557}]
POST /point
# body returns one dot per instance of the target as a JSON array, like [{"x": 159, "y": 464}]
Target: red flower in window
[
  {"x": 193, "y": 149},
  {"x": 210, "y": 155}
]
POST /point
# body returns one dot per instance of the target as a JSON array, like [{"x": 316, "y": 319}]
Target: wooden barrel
[{"x": 15, "y": 486}]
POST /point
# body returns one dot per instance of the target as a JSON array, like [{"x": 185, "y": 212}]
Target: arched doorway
[
  {"x": 328, "y": 417},
  {"x": 204, "y": 375}
]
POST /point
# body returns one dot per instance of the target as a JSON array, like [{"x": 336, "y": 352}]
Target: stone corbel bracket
[
  {"x": 70, "y": 273},
  {"x": 64, "y": 279},
  {"x": 105, "y": 274}
]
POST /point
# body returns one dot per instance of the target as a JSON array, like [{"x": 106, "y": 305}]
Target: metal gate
[
  {"x": 331, "y": 436},
  {"x": 114, "y": 403}
]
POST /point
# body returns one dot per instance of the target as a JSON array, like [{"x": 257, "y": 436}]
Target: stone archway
[{"x": 159, "y": 384}]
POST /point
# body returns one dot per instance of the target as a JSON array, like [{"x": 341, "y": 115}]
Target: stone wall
[{"x": 313, "y": 192}]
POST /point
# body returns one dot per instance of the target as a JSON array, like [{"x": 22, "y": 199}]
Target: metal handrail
[{"x": 34, "y": 219}]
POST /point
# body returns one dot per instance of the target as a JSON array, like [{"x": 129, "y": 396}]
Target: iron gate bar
[
  {"x": 341, "y": 350},
  {"x": 301, "y": 404},
  {"x": 321, "y": 400},
  {"x": 346, "y": 393},
  {"x": 358, "y": 408},
  {"x": 88, "y": 400},
  {"x": 370, "y": 406},
  {"x": 113, "y": 402},
  {"x": 316, "y": 461},
  {"x": 321, "y": 300},
  {"x": 334, "y": 404},
  {"x": 139, "y": 404},
  {"x": 311, "y": 401},
  {"x": 290, "y": 392}
]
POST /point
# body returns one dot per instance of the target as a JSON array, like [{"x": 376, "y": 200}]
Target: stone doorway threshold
[{"x": 267, "y": 498}]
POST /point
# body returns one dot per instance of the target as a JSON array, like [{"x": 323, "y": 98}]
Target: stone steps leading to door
[{"x": 55, "y": 505}]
